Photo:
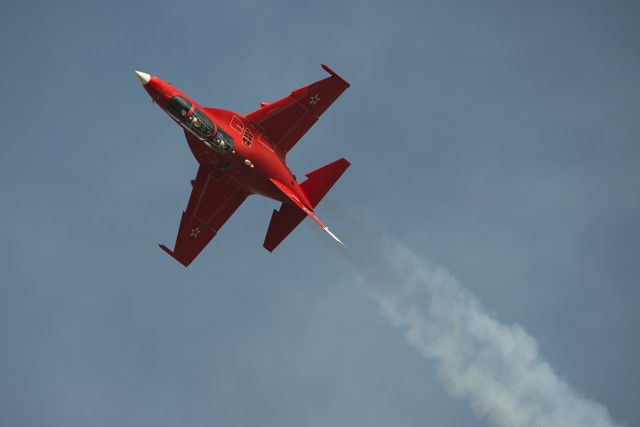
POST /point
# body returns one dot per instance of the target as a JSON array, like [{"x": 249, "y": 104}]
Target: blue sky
[{"x": 498, "y": 140}]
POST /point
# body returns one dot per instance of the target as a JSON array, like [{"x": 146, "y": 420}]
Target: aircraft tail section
[
  {"x": 282, "y": 224},
  {"x": 285, "y": 220},
  {"x": 320, "y": 181}
]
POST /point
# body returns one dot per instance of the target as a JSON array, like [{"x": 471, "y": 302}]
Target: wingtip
[
  {"x": 334, "y": 74},
  {"x": 173, "y": 255}
]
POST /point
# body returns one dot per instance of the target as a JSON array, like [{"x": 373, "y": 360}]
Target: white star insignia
[
  {"x": 195, "y": 232},
  {"x": 314, "y": 99}
]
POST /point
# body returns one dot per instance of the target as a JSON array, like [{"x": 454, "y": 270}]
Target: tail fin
[{"x": 317, "y": 185}]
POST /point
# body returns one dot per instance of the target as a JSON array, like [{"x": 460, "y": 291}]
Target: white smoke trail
[{"x": 496, "y": 367}]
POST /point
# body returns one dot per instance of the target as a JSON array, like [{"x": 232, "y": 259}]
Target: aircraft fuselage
[
  {"x": 227, "y": 144},
  {"x": 240, "y": 155}
]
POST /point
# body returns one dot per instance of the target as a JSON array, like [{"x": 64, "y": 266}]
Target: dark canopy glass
[{"x": 178, "y": 107}]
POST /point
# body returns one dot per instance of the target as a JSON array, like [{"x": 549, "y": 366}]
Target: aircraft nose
[{"x": 143, "y": 77}]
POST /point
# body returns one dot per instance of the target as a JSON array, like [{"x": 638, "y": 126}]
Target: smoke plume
[{"x": 497, "y": 368}]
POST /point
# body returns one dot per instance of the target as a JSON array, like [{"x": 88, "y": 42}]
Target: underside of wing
[
  {"x": 211, "y": 204},
  {"x": 285, "y": 121}
]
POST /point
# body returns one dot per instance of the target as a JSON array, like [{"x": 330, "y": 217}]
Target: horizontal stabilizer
[
  {"x": 286, "y": 191},
  {"x": 282, "y": 224},
  {"x": 320, "y": 181}
]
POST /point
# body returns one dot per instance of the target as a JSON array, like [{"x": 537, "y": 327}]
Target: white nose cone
[{"x": 143, "y": 77}]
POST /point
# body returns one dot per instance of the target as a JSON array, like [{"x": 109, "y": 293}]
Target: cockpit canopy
[
  {"x": 199, "y": 124},
  {"x": 221, "y": 142},
  {"x": 178, "y": 107}
]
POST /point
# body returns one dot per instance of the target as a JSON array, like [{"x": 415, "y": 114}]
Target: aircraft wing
[
  {"x": 285, "y": 121},
  {"x": 211, "y": 204}
]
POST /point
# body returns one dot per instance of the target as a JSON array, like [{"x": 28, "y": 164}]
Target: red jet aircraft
[{"x": 240, "y": 155}]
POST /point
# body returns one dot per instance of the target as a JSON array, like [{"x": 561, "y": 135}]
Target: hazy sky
[{"x": 497, "y": 139}]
